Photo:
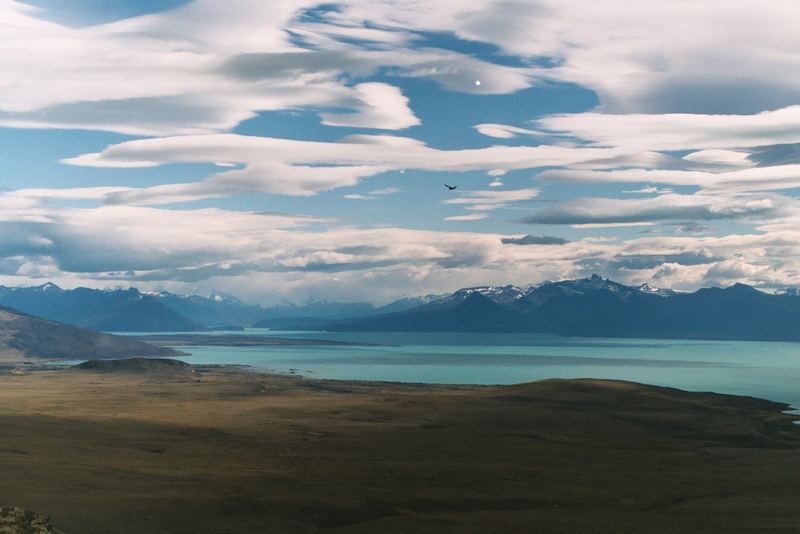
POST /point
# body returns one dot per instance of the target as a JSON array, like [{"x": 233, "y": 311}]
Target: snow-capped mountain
[
  {"x": 536, "y": 294},
  {"x": 661, "y": 292},
  {"x": 600, "y": 307},
  {"x": 499, "y": 294}
]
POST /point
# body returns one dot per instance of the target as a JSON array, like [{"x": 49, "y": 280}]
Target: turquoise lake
[{"x": 763, "y": 369}]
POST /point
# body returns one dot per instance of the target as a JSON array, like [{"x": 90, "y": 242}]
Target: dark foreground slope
[
  {"x": 235, "y": 452},
  {"x": 23, "y": 337}
]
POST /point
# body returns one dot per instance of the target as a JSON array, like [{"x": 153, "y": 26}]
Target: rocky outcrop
[{"x": 16, "y": 520}]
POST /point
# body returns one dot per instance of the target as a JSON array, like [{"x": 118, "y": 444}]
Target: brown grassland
[{"x": 230, "y": 451}]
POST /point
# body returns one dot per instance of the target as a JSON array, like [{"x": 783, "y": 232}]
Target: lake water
[{"x": 763, "y": 369}]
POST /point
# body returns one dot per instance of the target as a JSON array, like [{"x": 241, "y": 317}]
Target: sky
[{"x": 297, "y": 150}]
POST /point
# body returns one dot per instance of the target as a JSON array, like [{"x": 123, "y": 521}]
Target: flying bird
[{"x": 450, "y": 187}]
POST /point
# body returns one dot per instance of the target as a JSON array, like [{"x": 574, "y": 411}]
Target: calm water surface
[{"x": 763, "y": 369}]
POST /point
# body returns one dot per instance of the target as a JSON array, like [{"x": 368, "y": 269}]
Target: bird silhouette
[{"x": 450, "y": 187}]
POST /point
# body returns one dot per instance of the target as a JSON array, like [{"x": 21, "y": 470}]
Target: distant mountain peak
[
  {"x": 594, "y": 282},
  {"x": 223, "y": 297},
  {"x": 498, "y": 294},
  {"x": 49, "y": 286},
  {"x": 651, "y": 290},
  {"x": 743, "y": 288}
]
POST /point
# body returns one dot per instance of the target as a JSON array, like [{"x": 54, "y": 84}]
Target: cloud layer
[
  {"x": 273, "y": 256},
  {"x": 685, "y": 174},
  {"x": 294, "y": 167}
]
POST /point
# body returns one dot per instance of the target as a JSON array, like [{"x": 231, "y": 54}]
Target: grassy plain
[{"x": 225, "y": 450}]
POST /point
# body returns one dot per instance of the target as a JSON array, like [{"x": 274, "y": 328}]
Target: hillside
[{"x": 25, "y": 337}]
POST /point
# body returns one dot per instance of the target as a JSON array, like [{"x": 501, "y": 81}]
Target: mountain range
[
  {"x": 314, "y": 315},
  {"x": 599, "y": 307},
  {"x": 591, "y": 306},
  {"x": 120, "y": 310},
  {"x": 131, "y": 310}
]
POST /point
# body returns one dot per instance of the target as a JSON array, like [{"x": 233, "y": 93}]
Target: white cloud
[
  {"x": 205, "y": 67},
  {"x": 678, "y": 131},
  {"x": 385, "y": 191},
  {"x": 162, "y": 65},
  {"x": 504, "y": 131},
  {"x": 372, "y": 195},
  {"x": 470, "y": 217},
  {"x": 305, "y": 167},
  {"x": 754, "y": 179},
  {"x": 648, "y": 191},
  {"x": 682, "y": 76},
  {"x": 676, "y": 56},
  {"x": 720, "y": 157},
  {"x": 667, "y": 207},
  {"x": 491, "y": 200},
  {"x": 73, "y": 193},
  {"x": 382, "y": 106},
  {"x": 589, "y": 226},
  {"x": 273, "y": 256}
]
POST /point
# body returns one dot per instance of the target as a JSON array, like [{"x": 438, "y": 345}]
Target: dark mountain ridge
[
  {"x": 591, "y": 306},
  {"x": 598, "y": 307},
  {"x": 131, "y": 310},
  {"x": 119, "y": 310}
]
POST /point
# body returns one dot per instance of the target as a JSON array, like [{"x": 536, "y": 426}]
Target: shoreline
[{"x": 239, "y": 340}]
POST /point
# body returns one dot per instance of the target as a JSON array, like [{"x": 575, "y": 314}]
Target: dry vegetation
[{"x": 229, "y": 451}]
